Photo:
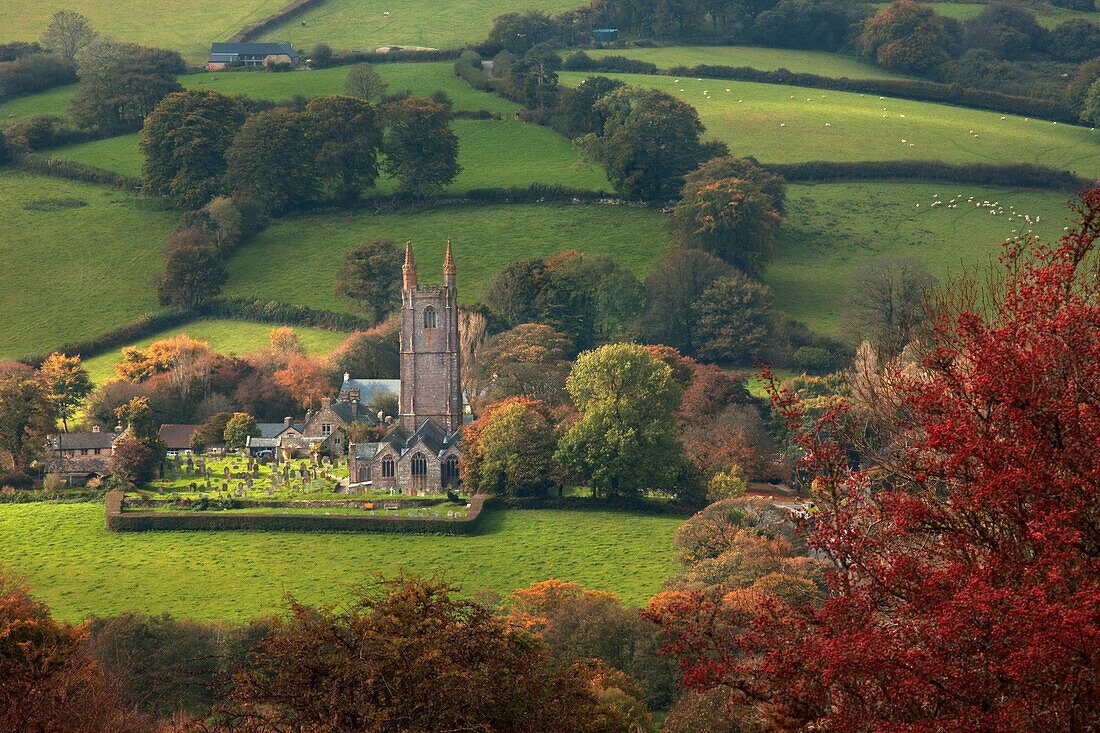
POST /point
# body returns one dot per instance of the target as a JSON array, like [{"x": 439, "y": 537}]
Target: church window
[
  {"x": 429, "y": 317},
  {"x": 387, "y": 467},
  {"x": 450, "y": 471},
  {"x": 419, "y": 465},
  {"x": 326, "y": 429}
]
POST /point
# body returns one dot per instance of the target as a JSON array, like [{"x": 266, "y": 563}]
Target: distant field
[
  {"x": 297, "y": 258},
  {"x": 79, "y": 568},
  {"x": 766, "y": 59},
  {"x": 1045, "y": 14},
  {"x": 493, "y": 154},
  {"x": 363, "y": 25},
  {"x": 225, "y": 337},
  {"x": 833, "y": 228},
  {"x": 187, "y": 26},
  {"x": 781, "y": 124},
  {"x": 50, "y": 102},
  {"x": 73, "y": 273}
]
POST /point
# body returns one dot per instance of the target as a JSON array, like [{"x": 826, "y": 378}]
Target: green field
[
  {"x": 187, "y": 26},
  {"x": 297, "y": 258},
  {"x": 1045, "y": 14},
  {"x": 50, "y": 102},
  {"x": 73, "y": 273},
  {"x": 832, "y": 229},
  {"x": 766, "y": 59},
  {"x": 363, "y": 25},
  {"x": 783, "y": 124},
  {"x": 79, "y": 568},
  {"x": 225, "y": 337},
  {"x": 120, "y": 154}
]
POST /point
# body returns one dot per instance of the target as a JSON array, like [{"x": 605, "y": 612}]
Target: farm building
[
  {"x": 251, "y": 54},
  {"x": 81, "y": 454}
]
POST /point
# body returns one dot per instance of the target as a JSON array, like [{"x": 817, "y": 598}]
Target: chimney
[
  {"x": 95, "y": 428},
  {"x": 409, "y": 268},
  {"x": 309, "y": 414},
  {"x": 326, "y": 402},
  {"x": 347, "y": 377},
  {"x": 353, "y": 396},
  {"x": 449, "y": 268},
  {"x": 287, "y": 422}
]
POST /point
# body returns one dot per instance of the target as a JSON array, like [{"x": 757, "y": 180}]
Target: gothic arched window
[
  {"x": 429, "y": 317},
  {"x": 450, "y": 471},
  {"x": 387, "y": 467},
  {"x": 364, "y": 472},
  {"x": 419, "y": 465}
]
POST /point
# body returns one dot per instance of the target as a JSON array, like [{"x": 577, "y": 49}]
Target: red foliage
[{"x": 967, "y": 591}]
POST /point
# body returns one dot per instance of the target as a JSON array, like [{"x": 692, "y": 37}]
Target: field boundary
[
  {"x": 274, "y": 20},
  {"x": 1009, "y": 175},
  {"x": 118, "y": 520},
  {"x": 70, "y": 170}
]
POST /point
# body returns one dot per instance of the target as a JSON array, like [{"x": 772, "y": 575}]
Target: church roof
[{"x": 429, "y": 434}]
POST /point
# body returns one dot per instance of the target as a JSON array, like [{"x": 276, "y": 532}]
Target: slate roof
[
  {"x": 254, "y": 442},
  {"x": 367, "y": 451},
  {"x": 81, "y": 441},
  {"x": 177, "y": 437},
  {"x": 429, "y": 434},
  {"x": 228, "y": 52},
  {"x": 275, "y": 429}
]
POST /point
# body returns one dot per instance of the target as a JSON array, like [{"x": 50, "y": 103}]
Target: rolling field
[
  {"x": 832, "y": 229},
  {"x": 71, "y": 273},
  {"x": 765, "y": 59},
  {"x": 79, "y": 568},
  {"x": 1046, "y": 15},
  {"x": 362, "y": 25},
  {"x": 50, "y": 102},
  {"x": 187, "y": 26},
  {"x": 784, "y": 124},
  {"x": 297, "y": 258},
  {"x": 492, "y": 153},
  {"x": 225, "y": 337}
]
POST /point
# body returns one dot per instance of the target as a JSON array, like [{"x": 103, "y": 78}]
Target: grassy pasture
[
  {"x": 73, "y": 273},
  {"x": 187, "y": 26},
  {"x": 766, "y": 59},
  {"x": 79, "y": 568},
  {"x": 225, "y": 337},
  {"x": 781, "y": 124},
  {"x": 831, "y": 229},
  {"x": 120, "y": 154},
  {"x": 50, "y": 102},
  {"x": 1046, "y": 15},
  {"x": 362, "y": 25},
  {"x": 296, "y": 259}
]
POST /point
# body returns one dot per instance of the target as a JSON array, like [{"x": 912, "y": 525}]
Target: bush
[
  {"x": 813, "y": 359},
  {"x": 1016, "y": 175},
  {"x": 34, "y": 73}
]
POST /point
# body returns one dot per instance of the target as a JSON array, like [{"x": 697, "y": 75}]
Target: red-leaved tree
[{"x": 967, "y": 544}]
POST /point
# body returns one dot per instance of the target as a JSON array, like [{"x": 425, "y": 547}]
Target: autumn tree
[
  {"x": 68, "y": 33},
  {"x": 142, "y": 427},
  {"x": 27, "y": 416},
  {"x": 964, "y": 546},
  {"x": 625, "y": 442},
  {"x": 371, "y": 276},
  {"x": 884, "y": 303},
  {"x": 346, "y": 137},
  {"x": 239, "y": 429},
  {"x": 421, "y": 149},
  {"x": 407, "y": 657},
  {"x": 373, "y": 352},
  {"x": 185, "y": 141},
  {"x": 192, "y": 276},
  {"x": 734, "y": 319},
  {"x": 67, "y": 384},
  {"x": 121, "y": 84},
  {"x": 305, "y": 380},
  {"x": 271, "y": 160},
  {"x": 364, "y": 82},
  {"x": 509, "y": 449},
  {"x": 905, "y": 36},
  {"x": 526, "y": 360}
]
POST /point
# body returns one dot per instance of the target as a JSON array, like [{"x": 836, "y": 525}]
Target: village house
[
  {"x": 251, "y": 54},
  {"x": 74, "y": 455},
  {"x": 177, "y": 438}
]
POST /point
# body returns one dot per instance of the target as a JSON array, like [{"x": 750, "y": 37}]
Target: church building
[{"x": 420, "y": 455}]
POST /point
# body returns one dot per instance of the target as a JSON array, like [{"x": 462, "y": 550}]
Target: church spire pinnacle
[
  {"x": 449, "y": 267},
  {"x": 409, "y": 268}
]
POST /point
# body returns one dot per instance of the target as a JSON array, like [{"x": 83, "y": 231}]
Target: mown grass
[
  {"x": 781, "y": 124},
  {"x": 120, "y": 154},
  {"x": 766, "y": 59},
  {"x": 362, "y": 25},
  {"x": 296, "y": 259},
  {"x": 73, "y": 273},
  {"x": 50, "y": 102},
  {"x": 832, "y": 229},
  {"x": 187, "y": 26},
  {"x": 225, "y": 337},
  {"x": 79, "y": 568}
]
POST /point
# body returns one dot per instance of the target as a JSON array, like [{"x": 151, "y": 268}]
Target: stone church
[{"x": 420, "y": 455}]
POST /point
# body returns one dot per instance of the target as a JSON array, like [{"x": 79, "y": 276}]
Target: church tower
[{"x": 430, "y": 386}]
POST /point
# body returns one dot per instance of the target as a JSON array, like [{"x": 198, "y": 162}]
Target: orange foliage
[
  {"x": 304, "y": 378},
  {"x": 530, "y": 607},
  {"x": 162, "y": 356}
]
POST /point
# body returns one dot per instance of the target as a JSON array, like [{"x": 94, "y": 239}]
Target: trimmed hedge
[
  {"x": 272, "y": 311},
  {"x": 120, "y": 521},
  {"x": 468, "y": 68},
  {"x": 397, "y": 56},
  {"x": 147, "y": 325},
  {"x": 258, "y": 27},
  {"x": 414, "y": 502},
  {"x": 1012, "y": 175},
  {"x": 73, "y": 171},
  {"x": 474, "y": 114}
]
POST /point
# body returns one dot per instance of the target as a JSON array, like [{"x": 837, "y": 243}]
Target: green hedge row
[
  {"x": 147, "y": 325},
  {"x": 1013, "y": 175},
  {"x": 468, "y": 68},
  {"x": 398, "y": 56},
  {"x": 258, "y": 27},
  {"x": 272, "y": 311},
  {"x": 73, "y": 171},
  {"x": 120, "y": 521}
]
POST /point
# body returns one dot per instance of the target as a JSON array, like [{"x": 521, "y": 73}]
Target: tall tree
[
  {"x": 905, "y": 36},
  {"x": 192, "y": 275},
  {"x": 509, "y": 449},
  {"x": 346, "y": 137},
  {"x": 421, "y": 149},
  {"x": 526, "y": 360},
  {"x": 67, "y": 384},
  {"x": 676, "y": 282},
  {"x": 364, "y": 82},
  {"x": 271, "y": 160},
  {"x": 121, "y": 84},
  {"x": 734, "y": 319},
  {"x": 68, "y": 33},
  {"x": 184, "y": 142},
  {"x": 239, "y": 429},
  {"x": 371, "y": 276},
  {"x": 884, "y": 304},
  {"x": 27, "y": 416}
]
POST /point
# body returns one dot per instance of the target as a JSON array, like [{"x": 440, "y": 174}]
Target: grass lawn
[
  {"x": 832, "y": 229},
  {"x": 73, "y": 273},
  {"x": 297, "y": 258},
  {"x": 1046, "y": 15},
  {"x": 225, "y": 337},
  {"x": 119, "y": 154},
  {"x": 362, "y": 25},
  {"x": 766, "y": 59},
  {"x": 187, "y": 26},
  {"x": 50, "y": 102},
  {"x": 79, "y": 568},
  {"x": 780, "y": 124}
]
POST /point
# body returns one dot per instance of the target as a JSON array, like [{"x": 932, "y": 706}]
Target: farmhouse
[
  {"x": 251, "y": 54},
  {"x": 81, "y": 454},
  {"x": 421, "y": 453}
]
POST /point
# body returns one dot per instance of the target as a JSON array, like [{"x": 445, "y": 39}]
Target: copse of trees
[
  {"x": 346, "y": 137},
  {"x": 509, "y": 450},
  {"x": 371, "y": 276},
  {"x": 35, "y": 72},
  {"x": 905, "y": 36},
  {"x": 421, "y": 149},
  {"x": 121, "y": 84}
]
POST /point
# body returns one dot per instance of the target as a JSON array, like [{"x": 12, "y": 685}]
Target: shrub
[{"x": 813, "y": 359}]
